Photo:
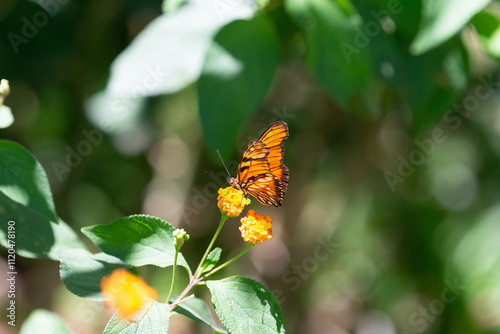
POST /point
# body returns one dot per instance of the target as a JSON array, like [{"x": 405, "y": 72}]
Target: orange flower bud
[
  {"x": 256, "y": 228},
  {"x": 127, "y": 293},
  {"x": 231, "y": 201}
]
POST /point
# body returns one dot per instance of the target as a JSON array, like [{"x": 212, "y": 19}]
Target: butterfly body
[{"x": 261, "y": 172}]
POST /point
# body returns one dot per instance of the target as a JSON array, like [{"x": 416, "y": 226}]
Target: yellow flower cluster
[
  {"x": 256, "y": 228},
  {"x": 231, "y": 201},
  {"x": 127, "y": 293}
]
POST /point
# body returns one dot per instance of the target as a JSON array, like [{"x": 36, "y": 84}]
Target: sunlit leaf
[
  {"x": 442, "y": 19},
  {"x": 236, "y": 77},
  {"x": 23, "y": 179},
  {"x": 169, "y": 53},
  {"x": 43, "y": 319},
  {"x": 155, "y": 321},
  {"x": 137, "y": 240},
  {"x": 245, "y": 306},
  {"x": 82, "y": 272},
  {"x": 172, "y": 5},
  {"x": 212, "y": 259},
  {"x": 26, "y": 200},
  {"x": 476, "y": 255},
  {"x": 113, "y": 114},
  {"x": 197, "y": 310}
]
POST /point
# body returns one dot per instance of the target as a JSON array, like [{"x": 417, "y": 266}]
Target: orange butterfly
[{"x": 261, "y": 172}]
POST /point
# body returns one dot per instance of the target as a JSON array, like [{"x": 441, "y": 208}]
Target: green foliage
[
  {"x": 246, "y": 306},
  {"x": 241, "y": 63},
  {"x": 172, "y": 5},
  {"x": 42, "y": 319},
  {"x": 155, "y": 320},
  {"x": 442, "y": 19},
  {"x": 340, "y": 66},
  {"x": 138, "y": 240},
  {"x": 212, "y": 259},
  {"x": 24, "y": 181},
  {"x": 25, "y": 198},
  {"x": 168, "y": 54},
  {"x": 82, "y": 272},
  {"x": 197, "y": 310},
  {"x": 487, "y": 26}
]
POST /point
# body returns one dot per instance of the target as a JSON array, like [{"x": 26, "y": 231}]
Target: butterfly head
[{"x": 232, "y": 181}]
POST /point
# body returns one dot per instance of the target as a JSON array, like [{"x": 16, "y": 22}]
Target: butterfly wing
[
  {"x": 254, "y": 162},
  {"x": 261, "y": 172},
  {"x": 274, "y": 138}
]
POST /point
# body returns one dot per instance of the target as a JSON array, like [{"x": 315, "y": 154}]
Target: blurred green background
[{"x": 391, "y": 222}]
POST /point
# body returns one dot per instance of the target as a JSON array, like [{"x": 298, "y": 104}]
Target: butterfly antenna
[{"x": 223, "y": 164}]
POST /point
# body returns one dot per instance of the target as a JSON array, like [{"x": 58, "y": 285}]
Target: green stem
[
  {"x": 198, "y": 270},
  {"x": 230, "y": 261},
  {"x": 174, "y": 274}
]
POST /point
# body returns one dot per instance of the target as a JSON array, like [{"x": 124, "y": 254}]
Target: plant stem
[
  {"x": 198, "y": 270},
  {"x": 194, "y": 281},
  {"x": 185, "y": 299},
  {"x": 230, "y": 261},
  {"x": 174, "y": 274}
]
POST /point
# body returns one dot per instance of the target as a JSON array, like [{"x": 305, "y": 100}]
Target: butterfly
[{"x": 261, "y": 172}]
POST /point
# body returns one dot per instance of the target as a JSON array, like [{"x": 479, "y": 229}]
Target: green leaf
[
  {"x": 29, "y": 226},
  {"x": 197, "y": 310},
  {"x": 113, "y": 114},
  {"x": 155, "y": 321},
  {"x": 431, "y": 96},
  {"x": 6, "y": 117},
  {"x": 66, "y": 239},
  {"x": 138, "y": 240},
  {"x": 404, "y": 14},
  {"x": 44, "y": 320},
  {"x": 487, "y": 25},
  {"x": 441, "y": 19},
  {"x": 475, "y": 243},
  {"x": 236, "y": 77},
  {"x": 26, "y": 199},
  {"x": 245, "y": 306},
  {"x": 169, "y": 53},
  {"x": 171, "y": 5},
  {"x": 82, "y": 272},
  {"x": 340, "y": 64},
  {"x": 23, "y": 179},
  {"x": 212, "y": 259}
]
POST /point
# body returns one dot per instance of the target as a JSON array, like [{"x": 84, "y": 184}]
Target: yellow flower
[
  {"x": 256, "y": 228},
  {"x": 127, "y": 293},
  {"x": 231, "y": 201}
]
